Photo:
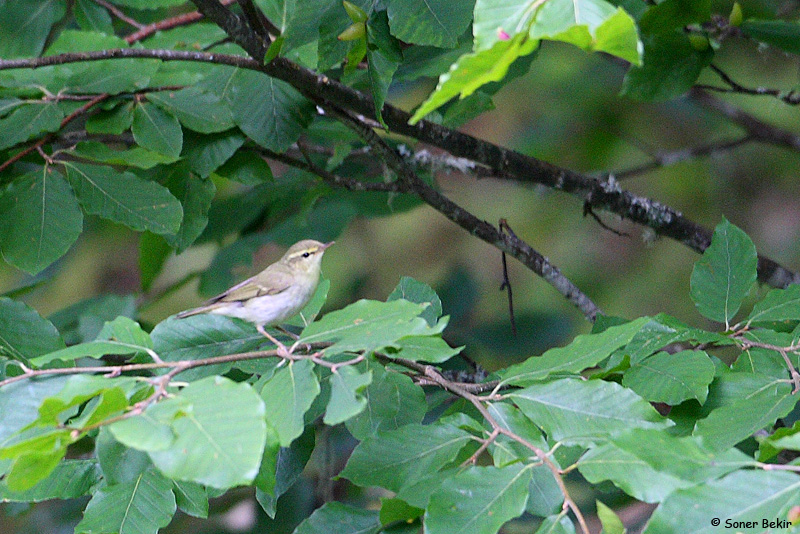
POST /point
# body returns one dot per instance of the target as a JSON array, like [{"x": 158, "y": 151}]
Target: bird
[{"x": 275, "y": 294}]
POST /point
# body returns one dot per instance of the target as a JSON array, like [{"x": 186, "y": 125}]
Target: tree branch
[
  {"x": 166, "y": 24},
  {"x": 506, "y": 164}
]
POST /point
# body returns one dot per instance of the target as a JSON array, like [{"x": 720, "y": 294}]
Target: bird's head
[{"x": 305, "y": 256}]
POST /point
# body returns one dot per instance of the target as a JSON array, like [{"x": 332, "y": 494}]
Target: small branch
[
  {"x": 166, "y": 24},
  {"x": 792, "y": 97},
  {"x": 665, "y": 159},
  {"x": 587, "y": 210},
  {"x": 119, "y": 14},
  {"x": 258, "y": 22},
  {"x": 484, "y": 445},
  {"x": 783, "y": 351},
  {"x": 504, "y": 227},
  {"x": 37, "y": 146},
  {"x": 755, "y": 127}
]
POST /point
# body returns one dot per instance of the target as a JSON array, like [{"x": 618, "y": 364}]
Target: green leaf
[
  {"x": 85, "y": 319},
  {"x": 39, "y": 220},
  {"x": 478, "y": 500},
  {"x": 421, "y": 293},
  {"x": 118, "y": 462},
  {"x": 196, "y": 109},
  {"x": 611, "y": 522},
  {"x": 673, "y": 14},
  {"x": 288, "y": 396},
  {"x": 151, "y": 430},
  {"x": 671, "y": 378},
  {"x": 556, "y": 524},
  {"x": 585, "y": 351},
  {"x": 195, "y": 195},
  {"x": 219, "y": 442},
  {"x": 246, "y": 168},
  {"x": 125, "y": 198},
  {"x": 739, "y": 497},
  {"x": 288, "y": 467},
  {"x": 149, "y": 4},
  {"x": 157, "y": 130},
  {"x": 366, "y": 325},
  {"x": 20, "y": 401},
  {"x": 670, "y": 66},
  {"x": 268, "y": 111},
  {"x": 92, "y": 349},
  {"x": 28, "y": 470},
  {"x": 471, "y": 71},
  {"x": 153, "y": 254},
  {"x": 93, "y": 17},
  {"x": 70, "y": 479},
  {"x": 114, "y": 121},
  {"x": 341, "y": 519},
  {"x": 728, "y": 425},
  {"x": 571, "y": 408},
  {"x": 24, "y": 334},
  {"x": 26, "y": 24},
  {"x": 203, "y": 336},
  {"x": 140, "y": 506},
  {"x": 779, "y": 305},
  {"x": 724, "y": 275},
  {"x": 191, "y": 498},
  {"x": 429, "y": 22},
  {"x": 783, "y": 34},
  {"x": 207, "y": 152},
  {"x": 400, "y": 458},
  {"x": 311, "y": 310},
  {"x": 29, "y": 121},
  {"x": 650, "y": 464},
  {"x": 383, "y": 58},
  {"x": 393, "y": 401},
  {"x": 347, "y": 399},
  {"x": 133, "y": 157},
  {"x": 431, "y": 349}
]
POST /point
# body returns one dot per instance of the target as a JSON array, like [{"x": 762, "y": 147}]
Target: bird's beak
[{"x": 326, "y": 245}]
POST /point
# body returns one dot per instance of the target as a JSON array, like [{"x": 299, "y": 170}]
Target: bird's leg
[
  {"x": 283, "y": 352},
  {"x": 296, "y": 340}
]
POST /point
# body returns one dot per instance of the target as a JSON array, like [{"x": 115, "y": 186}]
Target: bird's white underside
[{"x": 268, "y": 309}]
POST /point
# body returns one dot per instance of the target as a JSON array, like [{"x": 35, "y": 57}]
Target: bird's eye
[{"x": 306, "y": 254}]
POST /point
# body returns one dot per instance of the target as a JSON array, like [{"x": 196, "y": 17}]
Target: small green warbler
[{"x": 273, "y": 295}]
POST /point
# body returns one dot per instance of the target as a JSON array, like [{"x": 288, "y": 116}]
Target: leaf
[
  {"x": 783, "y": 34},
  {"x": 151, "y": 430},
  {"x": 341, "y": 519},
  {"x": 134, "y": 157},
  {"x": 140, "y": 506},
  {"x": 157, "y": 130},
  {"x": 724, "y": 275},
  {"x": 366, "y": 325},
  {"x": 20, "y": 401},
  {"x": 70, "y": 479},
  {"x": 26, "y": 24},
  {"x": 429, "y": 22},
  {"x": 24, "y": 334},
  {"x": 268, "y": 111},
  {"x": 311, "y": 310},
  {"x": 570, "y": 408},
  {"x": 347, "y": 400},
  {"x": 92, "y": 349},
  {"x": 191, "y": 498},
  {"x": 196, "y": 195},
  {"x": 383, "y": 58},
  {"x": 650, "y": 464},
  {"x": 431, "y": 349},
  {"x": 118, "y": 462},
  {"x": 205, "y": 153},
  {"x": 556, "y": 524},
  {"x": 671, "y": 378},
  {"x": 125, "y": 198},
  {"x": 478, "y": 500},
  {"x": 219, "y": 442},
  {"x": 399, "y": 458},
  {"x": 585, "y": 351},
  {"x": 672, "y": 14},
  {"x": 393, "y": 401},
  {"x": 196, "y": 109},
  {"x": 421, "y": 293},
  {"x": 670, "y": 66},
  {"x": 203, "y": 336},
  {"x": 287, "y": 470},
  {"x": 739, "y": 497},
  {"x": 288, "y": 396},
  {"x": 244, "y": 168},
  {"x": 611, "y": 522},
  {"x": 729, "y": 424},
  {"x": 92, "y": 17},
  {"x": 39, "y": 220},
  {"x": 779, "y": 305},
  {"x": 471, "y": 71},
  {"x": 29, "y": 121}
]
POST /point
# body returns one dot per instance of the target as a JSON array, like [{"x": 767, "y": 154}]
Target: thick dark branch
[
  {"x": 506, "y": 164},
  {"x": 507, "y": 243},
  {"x": 236, "y": 28}
]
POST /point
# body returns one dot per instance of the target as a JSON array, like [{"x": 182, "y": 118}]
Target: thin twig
[
  {"x": 504, "y": 227},
  {"x": 41, "y": 142},
  {"x": 166, "y": 24},
  {"x": 792, "y": 97},
  {"x": 587, "y": 210},
  {"x": 119, "y": 14}
]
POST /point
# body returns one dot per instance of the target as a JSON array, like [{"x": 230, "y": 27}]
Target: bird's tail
[{"x": 193, "y": 311}]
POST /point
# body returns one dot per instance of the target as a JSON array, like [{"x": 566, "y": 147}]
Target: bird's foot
[{"x": 283, "y": 352}]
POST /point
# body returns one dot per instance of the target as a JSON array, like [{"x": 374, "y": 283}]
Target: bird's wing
[{"x": 279, "y": 281}]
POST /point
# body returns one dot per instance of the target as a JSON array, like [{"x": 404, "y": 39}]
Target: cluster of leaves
[{"x": 247, "y": 418}]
